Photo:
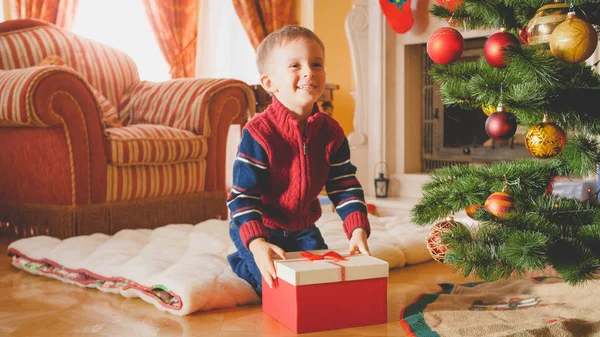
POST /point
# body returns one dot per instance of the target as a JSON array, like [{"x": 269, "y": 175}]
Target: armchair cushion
[
  {"x": 110, "y": 115},
  {"x": 184, "y": 103},
  {"x": 146, "y": 144}
]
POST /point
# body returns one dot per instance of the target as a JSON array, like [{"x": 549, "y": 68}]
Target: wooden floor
[{"x": 38, "y": 306}]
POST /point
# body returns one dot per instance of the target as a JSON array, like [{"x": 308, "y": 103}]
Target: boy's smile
[{"x": 296, "y": 75}]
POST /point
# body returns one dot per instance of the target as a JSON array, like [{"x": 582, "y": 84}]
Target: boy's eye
[
  {"x": 319, "y": 65},
  {"x": 294, "y": 65}
]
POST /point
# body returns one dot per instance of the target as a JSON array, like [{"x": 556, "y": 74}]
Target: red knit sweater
[{"x": 298, "y": 165}]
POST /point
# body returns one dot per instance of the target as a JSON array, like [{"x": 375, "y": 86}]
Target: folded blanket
[{"x": 183, "y": 268}]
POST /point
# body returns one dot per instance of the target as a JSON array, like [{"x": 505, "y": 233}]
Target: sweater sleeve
[
  {"x": 244, "y": 200},
  {"x": 345, "y": 191}
]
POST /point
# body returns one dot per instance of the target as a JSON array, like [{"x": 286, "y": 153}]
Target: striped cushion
[
  {"x": 138, "y": 182},
  {"x": 146, "y": 144},
  {"x": 180, "y": 103},
  {"x": 110, "y": 115},
  {"x": 108, "y": 70}
]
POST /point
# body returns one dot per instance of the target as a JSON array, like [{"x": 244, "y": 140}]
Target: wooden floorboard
[{"x": 38, "y": 306}]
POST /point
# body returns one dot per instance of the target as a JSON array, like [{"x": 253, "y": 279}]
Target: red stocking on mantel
[{"x": 398, "y": 14}]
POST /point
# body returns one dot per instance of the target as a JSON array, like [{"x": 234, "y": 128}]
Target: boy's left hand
[{"x": 358, "y": 242}]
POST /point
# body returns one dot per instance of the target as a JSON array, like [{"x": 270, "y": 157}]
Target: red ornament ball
[
  {"x": 523, "y": 35},
  {"x": 499, "y": 204},
  {"x": 493, "y": 48},
  {"x": 471, "y": 211},
  {"x": 445, "y": 45},
  {"x": 449, "y": 4},
  {"x": 437, "y": 248},
  {"x": 501, "y": 125}
]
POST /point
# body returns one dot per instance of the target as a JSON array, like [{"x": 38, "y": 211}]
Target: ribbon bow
[{"x": 331, "y": 255}]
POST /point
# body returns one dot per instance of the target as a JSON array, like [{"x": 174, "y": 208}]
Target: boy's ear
[{"x": 267, "y": 84}]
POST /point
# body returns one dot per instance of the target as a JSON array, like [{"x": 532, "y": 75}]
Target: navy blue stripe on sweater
[
  {"x": 249, "y": 173},
  {"x": 343, "y": 188}
]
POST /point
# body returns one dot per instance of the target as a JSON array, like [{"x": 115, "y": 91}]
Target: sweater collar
[{"x": 285, "y": 119}]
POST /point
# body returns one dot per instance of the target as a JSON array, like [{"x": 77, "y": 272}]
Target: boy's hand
[
  {"x": 358, "y": 242},
  {"x": 261, "y": 250}
]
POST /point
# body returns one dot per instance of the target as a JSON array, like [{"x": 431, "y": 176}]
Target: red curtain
[
  {"x": 175, "y": 26},
  {"x": 262, "y": 17},
  {"x": 58, "y": 12}
]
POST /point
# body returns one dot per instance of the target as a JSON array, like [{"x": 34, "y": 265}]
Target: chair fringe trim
[{"x": 25, "y": 220}]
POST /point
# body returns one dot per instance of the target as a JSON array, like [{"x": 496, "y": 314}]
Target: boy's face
[{"x": 296, "y": 74}]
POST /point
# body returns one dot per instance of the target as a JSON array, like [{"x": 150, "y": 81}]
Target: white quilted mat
[{"x": 183, "y": 268}]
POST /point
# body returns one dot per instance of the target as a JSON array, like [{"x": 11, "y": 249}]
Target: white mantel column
[{"x": 365, "y": 29}]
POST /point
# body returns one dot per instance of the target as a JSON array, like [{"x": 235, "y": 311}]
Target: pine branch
[{"x": 540, "y": 230}]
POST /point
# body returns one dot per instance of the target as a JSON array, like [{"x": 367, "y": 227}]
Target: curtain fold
[
  {"x": 175, "y": 27},
  {"x": 58, "y": 12},
  {"x": 262, "y": 17}
]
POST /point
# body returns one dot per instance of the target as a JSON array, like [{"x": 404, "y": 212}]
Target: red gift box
[{"x": 316, "y": 294}]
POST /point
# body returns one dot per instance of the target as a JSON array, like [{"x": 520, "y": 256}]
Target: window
[
  {"x": 123, "y": 25},
  {"x": 224, "y": 49}
]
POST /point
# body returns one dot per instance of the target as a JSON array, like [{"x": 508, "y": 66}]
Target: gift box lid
[{"x": 300, "y": 270}]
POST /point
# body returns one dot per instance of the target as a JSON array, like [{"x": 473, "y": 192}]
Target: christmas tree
[{"x": 533, "y": 72}]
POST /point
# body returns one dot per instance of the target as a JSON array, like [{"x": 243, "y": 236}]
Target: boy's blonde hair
[{"x": 279, "y": 38}]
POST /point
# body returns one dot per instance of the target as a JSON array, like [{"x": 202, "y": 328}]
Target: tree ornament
[
  {"x": 451, "y": 6},
  {"x": 493, "y": 49},
  {"x": 398, "y": 14},
  {"x": 471, "y": 211},
  {"x": 545, "y": 20},
  {"x": 437, "y": 248},
  {"x": 489, "y": 109},
  {"x": 574, "y": 40},
  {"x": 501, "y": 124},
  {"x": 500, "y": 203},
  {"x": 523, "y": 35},
  {"x": 545, "y": 139},
  {"x": 445, "y": 45}
]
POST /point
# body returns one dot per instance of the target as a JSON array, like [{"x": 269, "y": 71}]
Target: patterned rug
[{"x": 520, "y": 307}]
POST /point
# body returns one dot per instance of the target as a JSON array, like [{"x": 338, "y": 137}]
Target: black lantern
[{"x": 381, "y": 183}]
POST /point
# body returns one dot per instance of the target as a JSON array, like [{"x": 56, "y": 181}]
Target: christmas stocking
[{"x": 398, "y": 14}]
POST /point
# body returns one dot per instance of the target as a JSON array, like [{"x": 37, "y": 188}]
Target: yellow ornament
[
  {"x": 489, "y": 109},
  {"x": 574, "y": 40},
  {"x": 545, "y": 140},
  {"x": 544, "y": 21}
]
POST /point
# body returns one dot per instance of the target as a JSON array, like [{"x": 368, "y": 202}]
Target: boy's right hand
[{"x": 261, "y": 250}]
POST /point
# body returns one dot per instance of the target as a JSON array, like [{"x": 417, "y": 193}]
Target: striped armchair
[{"x": 87, "y": 147}]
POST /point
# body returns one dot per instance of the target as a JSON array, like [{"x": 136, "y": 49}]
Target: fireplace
[{"x": 452, "y": 135}]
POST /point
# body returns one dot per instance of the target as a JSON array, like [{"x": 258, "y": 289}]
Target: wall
[{"x": 327, "y": 18}]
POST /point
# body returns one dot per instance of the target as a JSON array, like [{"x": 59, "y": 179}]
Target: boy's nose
[{"x": 308, "y": 73}]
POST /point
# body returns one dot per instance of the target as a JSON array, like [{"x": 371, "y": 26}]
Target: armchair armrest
[
  {"x": 53, "y": 105},
  {"x": 205, "y": 106}
]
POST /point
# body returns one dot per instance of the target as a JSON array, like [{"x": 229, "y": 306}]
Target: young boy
[{"x": 286, "y": 156}]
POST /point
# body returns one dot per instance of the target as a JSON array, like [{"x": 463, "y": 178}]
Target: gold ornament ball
[
  {"x": 545, "y": 140},
  {"x": 489, "y": 109},
  {"x": 574, "y": 40},
  {"x": 437, "y": 248},
  {"x": 544, "y": 21}
]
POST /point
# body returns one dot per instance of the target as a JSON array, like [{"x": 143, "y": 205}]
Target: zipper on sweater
[{"x": 304, "y": 144}]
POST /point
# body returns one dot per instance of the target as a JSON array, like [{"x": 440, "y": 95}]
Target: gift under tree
[{"x": 533, "y": 73}]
